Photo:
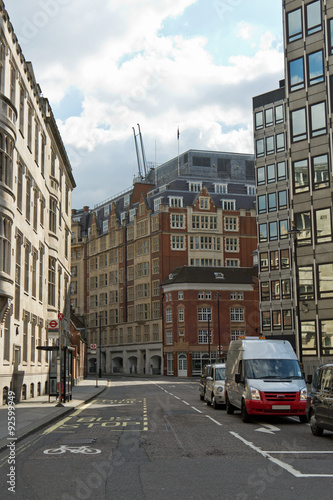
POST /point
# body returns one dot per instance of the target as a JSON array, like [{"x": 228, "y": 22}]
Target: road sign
[
  {"x": 60, "y": 316},
  {"x": 93, "y": 346},
  {"x": 53, "y": 324}
]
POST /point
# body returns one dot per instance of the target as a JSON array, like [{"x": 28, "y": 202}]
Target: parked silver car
[
  {"x": 320, "y": 401},
  {"x": 215, "y": 385}
]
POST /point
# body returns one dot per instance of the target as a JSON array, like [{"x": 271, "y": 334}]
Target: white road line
[
  {"x": 213, "y": 420},
  {"x": 281, "y": 464},
  {"x": 185, "y": 402},
  {"x": 176, "y": 397},
  {"x": 299, "y": 452},
  {"x": 196, "y": 409}
]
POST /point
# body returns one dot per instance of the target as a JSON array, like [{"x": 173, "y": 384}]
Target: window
[
  {"x": 157, "y": 203},
  {"x": 279, "y": 142},
  {"x": 251, "y": 190},
  {"x": 204, "y": 314},
  {"x": 323, "y": 225},
  {"x": 221, "y": 188},
  {"x": 235, "y": 334},
  {"x": 232, "y": 262},
  {"x": 180, "y": 295},
  {"x": 177, "y": 243},
  {"x": 298, "y": 125},
  {"x": 294, "y": 25},
  {"x": 271, "y": 173},
  {"x": 261, "y": 176},
  {"x": 177, "y": 221},
  {"x": 266, "y": 320},
  {"x": 262, "y": 204},
  {"x": 320, "y": 171},
  {"x": 285, "y": 287},
  {"x": 175, "y": 201},
  {"x": 274, "y": 260},
  {"x": 313, "y": 17},
  {"x": 195, "y": 186},
  {"x": 285, "y": 259},
  {"x": 305, "y": 280},
  {"x": 260, "y": 147},
  {"x": 303, "y": 225},
  {"x": 231, "y": 245},
  {"x": 296, "y": 74},
  {"x": 169, "y": 337},
  {"x": 275, "y": 288},
  {"x": 287, "y": 319},
  {"x": 309, "y": 342},
  {"x": 204, "y": 203},
  {"x": 316, "y": 67},
  {"x": 330, "y": 37},
  {"x": 325, "y": 278},
  {"x": 265, "y": 290},
  {"x": 236, "y": 314},
  {"x": 229, "y": 204},
  {"x": 278, "y": 114},
  {"x": 203, "y": 337},
  {"x": 233, "y": 295},
  {"x": 181, "y": 315},
  {"x": 281, "y": 171},
  {"x": 283, "y": 225},
  {"x": 231, "y": 223},
  {"x": 268, "y": 117},
  {"x": 264, "y": 261},
  {"x": 270, "y": 145},
  {"x": 262, "y": 232},
  {"x": 271, "y": 202},
  {"x": 301, "y": 176},
  {"x": 326, "y": 330},
  {"x": 273, "y": 231},
  {"x": 276, "y": 320},
  {"x": 282, "y": 200},
  {"x": 318, "y": 119},
  {"x": 259, "y": 122},
  {"x": 168, "y": 315}
]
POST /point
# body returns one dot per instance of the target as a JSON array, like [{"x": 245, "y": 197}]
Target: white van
[{"x": 264, "y": 377}]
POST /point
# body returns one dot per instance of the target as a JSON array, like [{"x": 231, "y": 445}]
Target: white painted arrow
[{"x": 268, "y": 429}]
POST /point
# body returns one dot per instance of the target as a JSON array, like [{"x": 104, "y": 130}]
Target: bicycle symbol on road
[{"x": 73, "y": 449}]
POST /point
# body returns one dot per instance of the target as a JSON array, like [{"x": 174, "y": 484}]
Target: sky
[{"x": 108, "y": 65}]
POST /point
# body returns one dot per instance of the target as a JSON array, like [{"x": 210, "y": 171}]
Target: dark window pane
[
  {"x": 285, "y": 287},
  {"x": 330, "y": 36},
  {"x": 287, "y": 321},
  {"x": 264, "y": 261},
  {"x": 275, "y": 290},
  {"x": 285, "y": 259},
  {"x": 266, "y": 320},
  {"x": 274, "y": 260},
  {"x": 320, "y": 171},
  {"x": 296, "y": 74},
  {"x": 265, "y": 290}
]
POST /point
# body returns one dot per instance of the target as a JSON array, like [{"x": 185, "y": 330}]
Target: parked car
[
  {"x": 263, "y": 377},
  {"x": 202, "y": 383},
  {"x": 215, "y": 385},
  {"x": 320, "y": 401}
]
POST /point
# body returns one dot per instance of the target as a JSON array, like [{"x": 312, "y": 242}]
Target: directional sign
[
  {"x": 268, "y": 429},
  {"x": 53, "y": 324}
]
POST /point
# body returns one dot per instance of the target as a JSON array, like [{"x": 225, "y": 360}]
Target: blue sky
[{"x": 110, "y": 64}]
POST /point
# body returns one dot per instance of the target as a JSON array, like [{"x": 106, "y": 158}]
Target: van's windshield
[{"x": 273, "y": 368}]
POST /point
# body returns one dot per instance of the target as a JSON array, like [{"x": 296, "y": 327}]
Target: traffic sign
[
  {"x": 93, "y": 346},
  {"x": 53, "y": 324},
  {"x": 60, "y": 316}
]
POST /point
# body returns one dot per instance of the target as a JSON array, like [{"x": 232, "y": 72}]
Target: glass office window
[
  {"x": 298, "y": 125},
  {"x": 270, "y": 145},
  {"x": 323, "y": 225},
  {"x": 294, "y": 25},
  {"x": 274, "y": 260},
  {"x": 320, "y": 171},
  {"x": 261, "y": 176},
  {"x": 259, "y": 120},
  {"x": 276, "y": 320},
  {"x": 318, "y": 119},
  {"x": 260, "y": 147},
  {"x": 296, "y": 74},
  {"x": 313, "y": 17},
  {"x": 285, "y": 259},
  {"x": 271, "y": 173},
  {"x": 326, "y": 333},
  {"x": 265, "y": 290},
  {"x": 262, "y": 204},
  {"x": 282, "y": 200},
  {"x": 279, "y": 142},
  {"x": 275, "y": 289},
  {"x": 301, "y": 176},
  {"x": 287, "y": 319},
  {"x": 271, "y": 202},
  {"x": 316, "y": 67},
  {"x": 309, "y": 342},
  {"x": 264, "y": 261},
  {"x": 303, "y": 225},
  {"x": 330, "y": 36},
  {"x": 268, "y": 117},
  {"x": 278, "y": 113},
  {"x": 281, "y": 171},
  {"x": 286, "y": 289},
  {"x": 273, "y": 234},
  {"x": 262, "y": 232},
  {"x": 283, "y": 229},
  {"x": 325, "y": 277},
  {"x": 266, "y": 320},
  {"x": 305, "y": 280}
]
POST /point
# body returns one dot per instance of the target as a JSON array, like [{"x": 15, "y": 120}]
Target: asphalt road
[{"x": 154, "y": 439}]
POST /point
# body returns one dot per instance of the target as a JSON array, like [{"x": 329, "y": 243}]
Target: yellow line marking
[{"x": 64, "y": 420}]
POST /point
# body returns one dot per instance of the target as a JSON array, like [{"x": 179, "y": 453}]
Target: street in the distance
[{"x": 155, "y": 439}]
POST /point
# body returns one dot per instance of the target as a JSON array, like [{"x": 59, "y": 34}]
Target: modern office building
[
  {"x": 36, "y": 182},
  {"x": 308, "y": 44},
  {"x": 196, "y": 210}
]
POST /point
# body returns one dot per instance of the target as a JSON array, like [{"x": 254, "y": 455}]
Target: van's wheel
[
  {"x": 303, "y": 419},
  {"x": 245, "y": 416},
  {"x": 316, "y": 431},
  {"x": 202, "y": 397},
  {"x": 215, "y": 405},
  {"x": 228, "y": 406}
]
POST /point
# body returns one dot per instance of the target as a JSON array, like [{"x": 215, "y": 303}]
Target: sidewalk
[{"x": 35, "y": 413}]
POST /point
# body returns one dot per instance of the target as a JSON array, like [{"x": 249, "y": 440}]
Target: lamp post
[
  {"x": 100, "y": 345},
  {"x": 208, "y": 317},
  {"x": 293, "y": 233},
  {"x": 218, "y": 322}
]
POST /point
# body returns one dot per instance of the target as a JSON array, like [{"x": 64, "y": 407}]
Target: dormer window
[
  {"x": 126, "y": 200},
  {"x": 175, "y": 201},
  {"x": 157, "y": 203},
  {"x": 221, "y": 188},
  {"x": 229, "y": 204},
  {"x": 195, "y": 187}
]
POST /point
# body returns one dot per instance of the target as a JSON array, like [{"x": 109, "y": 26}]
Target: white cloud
[{"x": 245, "y": 30}]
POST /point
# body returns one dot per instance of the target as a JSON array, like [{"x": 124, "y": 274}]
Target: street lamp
[
  {"x": 208, "y": 317},
  {"x": 218, "y": 322},
  {"x": 293, "y": 233},
  {"x": 100, "y": 345}
]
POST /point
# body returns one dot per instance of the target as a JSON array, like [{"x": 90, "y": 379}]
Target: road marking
[
  {"x": 64, "y": 420},
  {"x": 185, "y": 402},
  {"x": 196, "y": 409},
  {"x": 268, "y": 429},
  {"x": 176, "y": 397},
  {"x": 289, "y": 468},
  {"x": 213, "y": 420},
  {"x": 145, "y": 415}
]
